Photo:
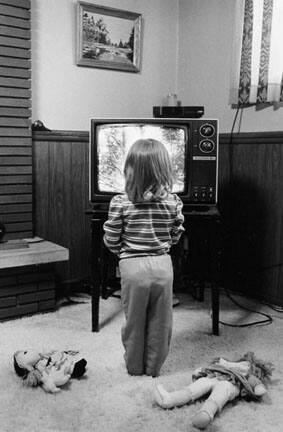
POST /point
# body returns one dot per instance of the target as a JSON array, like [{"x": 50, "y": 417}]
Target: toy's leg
[
  {"x": 223, "y": 392},
  {"x": 183, "y": 396}
]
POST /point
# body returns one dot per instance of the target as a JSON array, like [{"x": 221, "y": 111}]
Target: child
[
  {"x": 223, "y": 381},
  {"x": 142, "y": 225}
]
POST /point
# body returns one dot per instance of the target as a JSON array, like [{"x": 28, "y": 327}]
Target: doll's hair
[
  {"x": 260, "y": 368},
  {"x": 148, "y": 171},
  {"x": 20, "y": 371},
  {"x": 30, "y": 378}
]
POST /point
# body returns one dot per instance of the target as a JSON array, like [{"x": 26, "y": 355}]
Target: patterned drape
[{"x": 257, "y": 67}]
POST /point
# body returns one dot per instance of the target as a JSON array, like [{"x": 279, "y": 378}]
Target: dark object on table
[{"x": 39, "y": 126}]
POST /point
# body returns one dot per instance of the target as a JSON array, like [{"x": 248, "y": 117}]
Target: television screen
[{"x": 113, "y": 141}]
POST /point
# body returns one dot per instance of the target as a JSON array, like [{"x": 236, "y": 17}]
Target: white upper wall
[
  {"x": 65, "y": 95},
  {"x": 205, "y": 42}
]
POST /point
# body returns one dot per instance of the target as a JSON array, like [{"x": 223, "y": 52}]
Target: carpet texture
[{"x": 108, "y": 399}]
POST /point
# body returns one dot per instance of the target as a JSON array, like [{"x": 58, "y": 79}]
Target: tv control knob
[
  {"x": 206, "y": 146},
  {"x": 207, "y": 130}
]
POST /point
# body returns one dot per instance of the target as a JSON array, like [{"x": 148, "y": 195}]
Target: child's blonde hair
[{"x": 148, "y": 171}]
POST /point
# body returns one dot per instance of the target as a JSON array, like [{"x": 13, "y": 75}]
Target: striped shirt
[{"x": 144, "y": 228}]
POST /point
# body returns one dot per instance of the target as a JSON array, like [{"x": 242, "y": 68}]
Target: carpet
[{"x": 108, "y": 399}]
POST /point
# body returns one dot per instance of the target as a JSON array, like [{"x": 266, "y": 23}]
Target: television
[{"x": 192, "y": 145}]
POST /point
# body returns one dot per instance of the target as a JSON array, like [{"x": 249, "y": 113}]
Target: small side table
[{"x": 207, "y": 217}]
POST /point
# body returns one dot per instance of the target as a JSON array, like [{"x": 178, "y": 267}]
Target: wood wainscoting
[
  {"x": 251, "y": 202},
  {"x": 61, "y": 197},
  {"x": 250, "y": 199}
]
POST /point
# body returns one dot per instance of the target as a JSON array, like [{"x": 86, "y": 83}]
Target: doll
[
  {"x": 224, "y": 381},
  {"x": 50, "y": 370}
]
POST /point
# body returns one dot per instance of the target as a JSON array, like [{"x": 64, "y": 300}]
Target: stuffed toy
[
  {"x": 224, "y": 381},
  {"x": 50, "y": 370}
]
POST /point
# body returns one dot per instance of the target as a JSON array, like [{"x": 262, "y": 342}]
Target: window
[{"x": 257, "y": 74}]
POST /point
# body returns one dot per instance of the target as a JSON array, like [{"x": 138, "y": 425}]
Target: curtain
[{"x": 257, "y": 66}]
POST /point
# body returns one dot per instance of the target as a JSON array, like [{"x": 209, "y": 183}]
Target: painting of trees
[
  {"x": 108, "y": 38},
  {"x": 100, "y": 41}
]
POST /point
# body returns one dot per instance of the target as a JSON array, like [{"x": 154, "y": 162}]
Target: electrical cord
[
  {"x": 273, "y": 307},
  {"x": 266, "y": 321}
]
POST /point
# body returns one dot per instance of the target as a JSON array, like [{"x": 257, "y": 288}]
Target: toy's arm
[
  {"x": 53, "y": 379},
  {"x": 258, "y": 387},
  {"x": 241, "y": 367},
  {"x": 48, "y": 384}
]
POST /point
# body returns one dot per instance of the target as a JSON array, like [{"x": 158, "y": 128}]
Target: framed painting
[{"x": 108, "y": 38}]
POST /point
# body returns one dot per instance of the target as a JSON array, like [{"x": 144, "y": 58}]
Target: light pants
[{"x": 146, "y": 292}]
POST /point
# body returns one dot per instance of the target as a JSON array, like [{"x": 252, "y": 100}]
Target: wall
[
  {"x": 205, "y": 41},
  {"x": 250, "y": 201},
  {"x": 65, "y": 95}
]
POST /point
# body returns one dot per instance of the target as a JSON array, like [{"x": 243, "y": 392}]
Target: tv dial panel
[
  {"x": 207, "y": 131},
  {"x": 204, "y": 162}
]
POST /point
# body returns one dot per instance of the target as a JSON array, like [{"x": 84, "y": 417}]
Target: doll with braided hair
[
  {"x": 49, "y": 370},
  {"x": 223, "y": 381}
]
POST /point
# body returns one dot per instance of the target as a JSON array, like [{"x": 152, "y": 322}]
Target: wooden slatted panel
[
  {"x": 16, "y": 191},
  {"x": 61, "y": 179}
]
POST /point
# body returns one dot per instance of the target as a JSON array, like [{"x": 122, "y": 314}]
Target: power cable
[{"x": 266, "y": 321}]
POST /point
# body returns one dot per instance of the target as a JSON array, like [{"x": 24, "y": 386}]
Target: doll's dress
[
  {"x": 60, "y": 360},
  {"x": 224, "y": 370}
]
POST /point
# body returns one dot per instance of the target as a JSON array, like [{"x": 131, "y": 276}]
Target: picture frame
[{"x": 108, "y": 38}]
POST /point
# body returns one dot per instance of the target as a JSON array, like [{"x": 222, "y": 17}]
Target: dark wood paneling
[
  {"x": 15, "y": 155},
  {"x": 15, "y": 208},
  {"x": 16, "y": 186},
  {"x": 16, "y": 217},
  {"x": 15, "y": 170},
  {"x": 250, "y": 199},
  {"x": 16, "y": 179},
  {"x": 12, "y": 199},
  {"x": 61, "y": 198}
]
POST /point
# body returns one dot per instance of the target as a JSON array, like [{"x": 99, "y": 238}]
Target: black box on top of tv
[{"x": 178, "y": 111}]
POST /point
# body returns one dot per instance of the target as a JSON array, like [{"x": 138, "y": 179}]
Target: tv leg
[
  {"x": 215, "y": 308},
  {"x": 95, "y": 273},
  {"x": 95, "y": 308},
  {"x": 215, "y": 268}
]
